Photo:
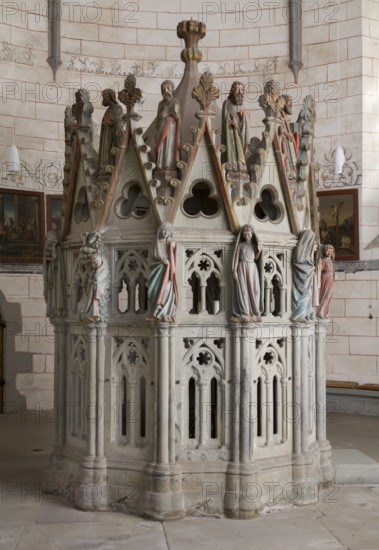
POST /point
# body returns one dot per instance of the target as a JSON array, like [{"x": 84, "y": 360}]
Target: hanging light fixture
[{"x": 339, "y": 158}]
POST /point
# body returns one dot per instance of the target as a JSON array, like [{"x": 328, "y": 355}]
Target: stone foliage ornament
[
  {"x": 131, "y": 94},
  {"x": 92, "y": 276},
  {"x": 206, "y": 92},
  {"x": 271, "y": 100}
]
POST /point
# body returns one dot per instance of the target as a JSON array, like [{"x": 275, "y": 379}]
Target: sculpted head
[
  {"x": 167, "y": 89},
  {"x": 109, "y": 96},
  {"x": 237, "y": 93},
  {"x": 329, "y": 251},
  {"x": 247, "y": 233},
  {"x": 288, "y": 104},
  {"x": 165, "y": 231}
]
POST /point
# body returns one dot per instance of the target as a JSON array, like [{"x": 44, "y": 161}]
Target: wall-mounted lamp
[{"x": 339, "y": 159}]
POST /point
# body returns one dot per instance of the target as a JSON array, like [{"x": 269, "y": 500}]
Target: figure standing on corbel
[
  {"x": 305, "y": 287},
  {"x": 167, "y": 138},
  {"x": 54, "y": 286},
  {"x": 92, "y": 278},
  {"x": 327, "y": 281},
  {"x": 163, "y": 281},
  {"x": 246, "y": 295},
  {"x": 111, "y": 132},
  {"x": 235, "y": 128}
]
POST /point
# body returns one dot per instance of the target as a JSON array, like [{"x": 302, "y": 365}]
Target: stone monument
[{"x": 189, "y": 363}]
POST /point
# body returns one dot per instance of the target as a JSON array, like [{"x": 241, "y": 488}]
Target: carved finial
[
  {"x": 206, "y": 92},
  {"x": 191, "y": 31},
  {"x": 130, "y": 95},
  {"x": 307, "y": 115},
  {"x": 271, "y": 101}
]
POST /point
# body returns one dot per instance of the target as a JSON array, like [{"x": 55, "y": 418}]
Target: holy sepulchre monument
[{"x": 189, "y": 353}]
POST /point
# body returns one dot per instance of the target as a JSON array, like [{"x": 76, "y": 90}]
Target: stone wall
[
  {"x": 245, "y": 41},
  {"x": 353, "y": 339}
]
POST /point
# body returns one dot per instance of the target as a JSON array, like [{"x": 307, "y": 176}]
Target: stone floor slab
[
  {"x": 354, "y": 467},
  {"x": 353, "y": 517},
  {"x": 92, "y": 536},
  {"x": 278, "y": 531},
  {"x": 9, "y": 537}
]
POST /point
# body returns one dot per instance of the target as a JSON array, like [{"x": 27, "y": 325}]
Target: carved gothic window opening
[
  {"x": 132, "y": 296},
  {"x": 194, "y": 282},
  {"x": 259, "y": 407},
  {"x": 81, "y": 210},
  {"x": 132, "y": 203},
  {"x": 78, "y": 400},
  {"x": 276, "y": 294},
  {"x": 275, "y": 404},
  {"x": 201, "y": 201},
  {"x": 205, "y": 394},
  {"x": 132, "y": 271},
  {"x": 214, "y": 408},
  {"x": 123, "y": 297},
  {"x": 191, "y": 408},
  {"x": 140, "y": 305},
  {"x": 142, "y": 406},
  {"x": 274, "y": 288},
  {"x": 267, "y": 208},
  {"x": 123, "y": 406},
  {"x": 212, "y": 294},
  {"x": 204, "y": 272},
  {"x": 131, "y": 360}
]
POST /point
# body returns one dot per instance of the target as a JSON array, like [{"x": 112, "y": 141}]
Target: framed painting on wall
[
  {"x": 339, "y": 224},
  {"x": 21, "y": 226},
  {"x": 54, "y": 205}
]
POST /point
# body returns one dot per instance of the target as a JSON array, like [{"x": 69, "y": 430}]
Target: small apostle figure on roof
[
  {"x": 167, "y": 138},
  {"x": 289, "y": 138},
  {"x": 246, "y": 298},
  {"x": 111, "y": 132},
  {"x": 235, "y": 128},
  {"x": 327, "y": 281},
  {"x": 163, "y": 282}
]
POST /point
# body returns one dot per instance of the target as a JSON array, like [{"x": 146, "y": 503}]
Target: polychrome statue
[
  {"x": 92, "y": 275},
  {"x": 235, "y": 128},
  {"x": 246, "y": 298},
  {"x": 327, "y": 281},
  {"x": 304, "y": 286},
  {"x": 167, "y": 146},
  {"x": 163, "y": 283}
]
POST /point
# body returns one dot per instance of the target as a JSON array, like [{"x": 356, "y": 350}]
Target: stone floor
[{"x": 346, "y": 517}]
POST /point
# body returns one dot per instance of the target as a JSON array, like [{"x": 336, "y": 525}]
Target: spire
[{"x": 191, "y": 32}]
